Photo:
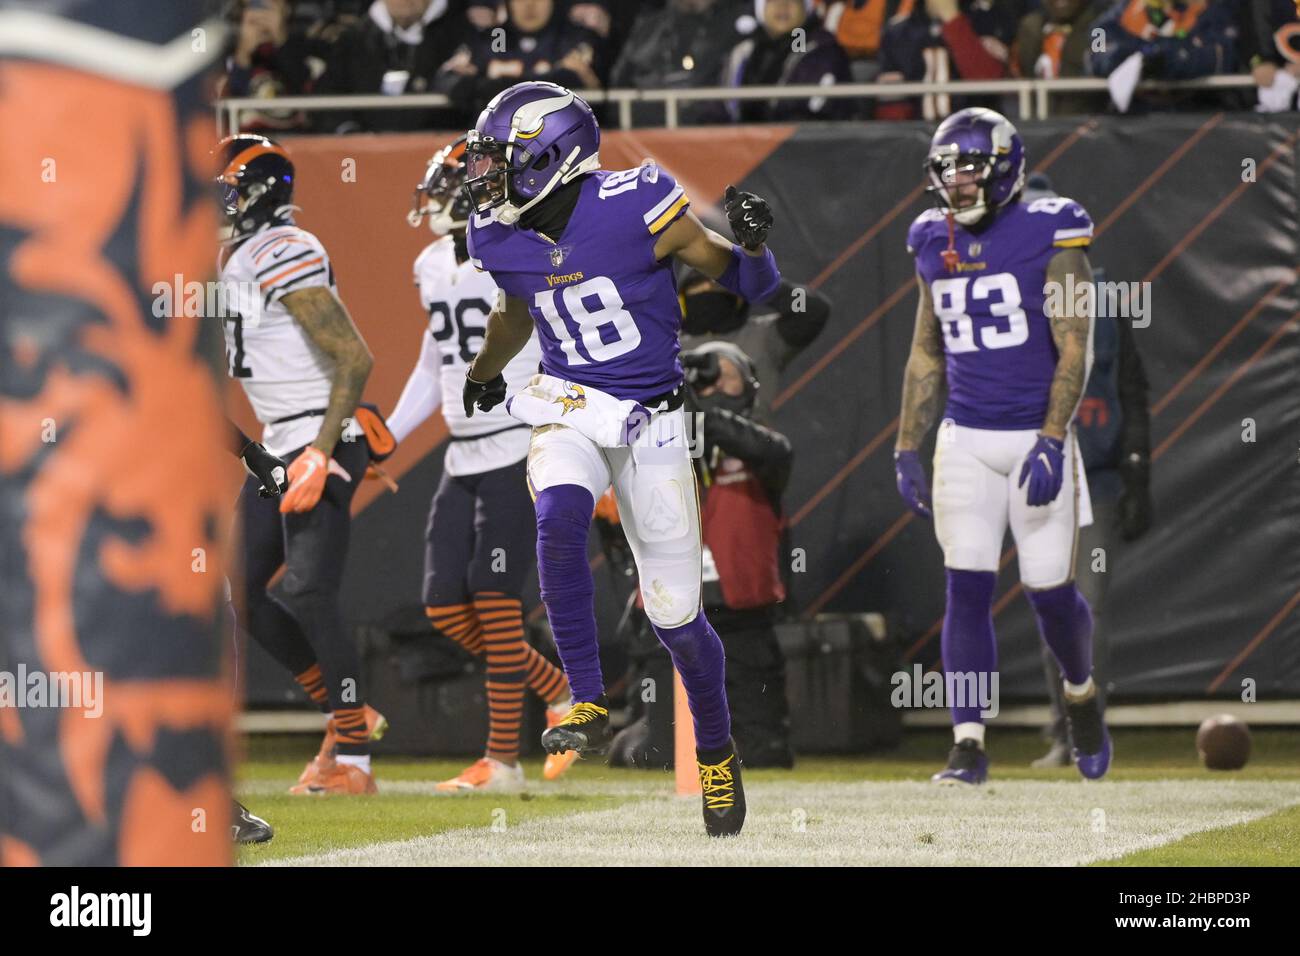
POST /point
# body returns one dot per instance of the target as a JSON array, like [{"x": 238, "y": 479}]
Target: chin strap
[
  {"x": 950, "y": 255},
  {"x": 508, "y": 213}
]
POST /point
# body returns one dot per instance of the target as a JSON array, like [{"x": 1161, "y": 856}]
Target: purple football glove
[
  {"x": 1045, "y": 468},
  {"x": 910, "y": 477}
]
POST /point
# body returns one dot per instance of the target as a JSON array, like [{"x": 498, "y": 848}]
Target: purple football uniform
[
  {"x": 606, "y": 310},
  {"x": 997, "y": 339}
]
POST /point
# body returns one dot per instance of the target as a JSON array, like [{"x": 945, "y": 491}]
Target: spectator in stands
[
  {"x": 536, "y": 42},
  {"x": 682, "y": 46},
  {"x": 858, "y": 26},
  {"x": 594, "y": 15},
  {"x": 1270, "y": 45},
  {"x": 396, "y": 49},
  {"x": 267, "y": 60},
  {"x": 1177, "y": 39},
  {"x": 1053, "y": 42},
  {"x": 790, "y": 47},
  {"x": 942, "y": 40}
]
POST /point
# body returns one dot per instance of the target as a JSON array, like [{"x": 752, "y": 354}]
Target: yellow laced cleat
[
  {"x": 584, "y": 729},
  {"x": 722, "y": 790}
]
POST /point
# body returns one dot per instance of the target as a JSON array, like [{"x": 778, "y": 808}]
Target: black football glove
[
  {"x": 483, "y": 395},
  {"x": 750, "y": 217},
  {"x": 271, "y": 471}
]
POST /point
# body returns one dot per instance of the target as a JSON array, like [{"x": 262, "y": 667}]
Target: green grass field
[{"x": 1157, "y": 807}]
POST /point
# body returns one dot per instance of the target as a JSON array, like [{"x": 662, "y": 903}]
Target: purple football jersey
[
  {"x": 606, "y": 310},
  {"x": 997, "y": 339}
]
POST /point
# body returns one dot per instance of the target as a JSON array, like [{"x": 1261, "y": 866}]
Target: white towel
[
  {"x": 1280, "y": 96},
  {"x": 1123, "y": 80},
  {"x": 608, "y": 421}
]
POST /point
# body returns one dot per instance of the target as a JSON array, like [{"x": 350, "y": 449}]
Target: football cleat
[
  {"x": 247, "y": 828},
  {"x": 556, "y": 764},
  {"x": 967, "y": 763},
  {"x": 376, "y": 727},
  {"x": 723, "y": 792},
  {"x": 331, "y": 777},
  {"x": 485, "y": 776},
  {"x": 584, "y": 729},
  {"x": 1089, "y": 739}
]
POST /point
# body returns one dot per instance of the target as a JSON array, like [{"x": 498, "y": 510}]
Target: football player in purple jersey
[
  {"x": 1005, "y": 321},
  {"x": 584, "y": 255}
]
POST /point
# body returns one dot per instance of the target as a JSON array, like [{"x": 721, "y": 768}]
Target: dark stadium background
[{"x": 1197, "y": 605}]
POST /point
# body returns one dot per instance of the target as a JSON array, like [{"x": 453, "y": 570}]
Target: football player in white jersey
[
  {"x": 302, "y": 363},
  {"x": 481, "y": 538}
]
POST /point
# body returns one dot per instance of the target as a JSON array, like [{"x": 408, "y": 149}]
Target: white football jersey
[
  {"x": 282, "y": 371},
  {"x": 458, "y": 299}
]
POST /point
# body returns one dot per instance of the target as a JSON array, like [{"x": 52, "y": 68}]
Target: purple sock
[
  {"x": 563, "y": 520},
  {"x": 698, "y": 656},
  {"x": 967, "y": 643},
  {"x": 1065, "y": 621}
]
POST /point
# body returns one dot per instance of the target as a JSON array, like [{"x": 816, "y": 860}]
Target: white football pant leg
[
  {"x": 658, "y": 505},
  {"x": 970, "y": 497},
  {"x": 1046, "y": 536},
  {"x": 559, "y": 455}
]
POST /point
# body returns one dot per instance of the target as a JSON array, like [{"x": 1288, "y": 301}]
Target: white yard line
[{"x": 880, "y": 823}]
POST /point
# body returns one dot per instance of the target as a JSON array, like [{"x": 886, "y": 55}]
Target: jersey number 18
[{"x": 604, "y": 329}]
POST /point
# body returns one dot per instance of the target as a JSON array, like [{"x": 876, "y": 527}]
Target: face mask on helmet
[
  {"x": 486, "y": 171},
  {"x": 494, "y": 182},
  {"x": 440, "y": 197},
  {"x": 959, "y": 182}
]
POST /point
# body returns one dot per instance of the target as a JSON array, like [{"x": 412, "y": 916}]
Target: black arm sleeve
[
  {"x": 1132, "y": 382},
  {"x": 764, "y": 450},
  {"x": 799, "y": 327}
]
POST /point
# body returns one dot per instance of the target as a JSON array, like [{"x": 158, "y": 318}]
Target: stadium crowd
[{"x": 470, "y": 50}]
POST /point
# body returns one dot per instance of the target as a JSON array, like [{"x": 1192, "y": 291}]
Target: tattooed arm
[
  {"x": 327, "y": 323},
  {"x": 1069, "y": 269},
  {"x": 923, "y": 382}
]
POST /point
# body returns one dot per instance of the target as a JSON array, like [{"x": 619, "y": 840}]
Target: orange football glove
[{"x": 307, "y": 474}]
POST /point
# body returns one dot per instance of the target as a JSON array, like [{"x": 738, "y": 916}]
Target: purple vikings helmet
[
  {"x": 975, "y": 147},
  {"x": 531, "y": 138}
]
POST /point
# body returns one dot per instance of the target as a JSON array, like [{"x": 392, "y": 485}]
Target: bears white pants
[
  {"x": 658, "y": 504},
  {"x": 976, "y": 496}
]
